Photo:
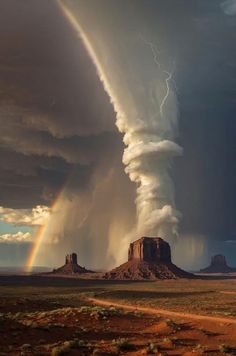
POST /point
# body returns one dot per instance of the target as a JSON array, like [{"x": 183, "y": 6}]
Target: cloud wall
[{"x": 145, "y": 104}]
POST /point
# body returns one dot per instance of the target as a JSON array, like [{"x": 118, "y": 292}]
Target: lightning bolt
[
  {"x": 168, "y": 75},
  {"x": 167, "y": 80}
]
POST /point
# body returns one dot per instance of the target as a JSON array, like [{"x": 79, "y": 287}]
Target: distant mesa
[
  {"x": 148, "y": 258},
  {"x": 71, "y": 266},
  {"x": 218, "y": 265}
]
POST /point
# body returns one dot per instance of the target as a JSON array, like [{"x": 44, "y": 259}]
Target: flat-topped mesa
[
  {"x": 218, "y": 265},
  {"x": 150, "y": 249},
  {"x": 148, "y": 258},
  {"x": 71, "y": 266}
]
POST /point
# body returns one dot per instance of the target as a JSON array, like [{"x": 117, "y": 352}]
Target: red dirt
[
  {"x": 48, "y": 323},
  {"x": 192, "y": 330},
  {"x": 162, "y": 312}
]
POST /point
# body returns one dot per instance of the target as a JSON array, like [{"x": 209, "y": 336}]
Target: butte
[{"x": 148, "y": 258}]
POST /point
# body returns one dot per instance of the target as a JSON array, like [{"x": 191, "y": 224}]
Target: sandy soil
[
  {"x": 164, "y": 312},
  {"x": 56, "y": 317}
]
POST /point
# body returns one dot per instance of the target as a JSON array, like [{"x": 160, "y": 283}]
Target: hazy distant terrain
[{"x": 21, "y": 270}]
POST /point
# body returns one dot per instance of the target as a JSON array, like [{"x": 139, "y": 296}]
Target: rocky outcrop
[
  {"x": 148, "y": 258},
  {"x": 218, "y": 265},
  {"x": 150, "y": 249},
  {"x": 71, "y": 266}
]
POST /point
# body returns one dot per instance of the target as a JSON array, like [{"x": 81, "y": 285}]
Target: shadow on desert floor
[{"x": 128, "y": 294}]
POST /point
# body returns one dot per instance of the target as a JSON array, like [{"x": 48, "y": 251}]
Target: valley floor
[{"x": 55, "y": 316}]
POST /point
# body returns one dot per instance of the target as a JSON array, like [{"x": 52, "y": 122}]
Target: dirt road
[{"x": 165, "y": 312}]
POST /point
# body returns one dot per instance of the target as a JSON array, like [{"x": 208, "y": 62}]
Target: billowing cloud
[
  {"x": 25, "y": 217},
  {"x": 17, "y": 238}
]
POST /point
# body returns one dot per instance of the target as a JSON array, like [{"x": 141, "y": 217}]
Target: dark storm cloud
[
  {"x": 200, "y": 38},
  {"x": 56, "y": 121},
  {"x": 45, "y": 71},
  {"x": 73, "y": 149},
  {"x": 57, "y": 124},
  {"x": 30, "y": 180},
  {"x": 229, "y": 7},
  {"x": 205, "y": 176}
]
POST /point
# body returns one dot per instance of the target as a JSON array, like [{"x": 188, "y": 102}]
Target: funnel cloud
[
  {"x": 117, "y": 120},
  {"x": 146, "y": 110}
]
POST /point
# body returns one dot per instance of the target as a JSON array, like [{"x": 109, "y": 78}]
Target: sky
[{"x": 60, "y": 149}]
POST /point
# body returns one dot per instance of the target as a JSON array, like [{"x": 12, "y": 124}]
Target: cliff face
[
  {"x": 150, "y": 249},
  {"x": 148, "y": 258},
  {"x": 218, "y": 265},
  {"x": 71, "y": 259}
]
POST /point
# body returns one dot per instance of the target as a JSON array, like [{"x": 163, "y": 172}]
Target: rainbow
[{"x": 41, "y": 233}]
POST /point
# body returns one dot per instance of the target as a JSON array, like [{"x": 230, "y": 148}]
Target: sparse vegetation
[
  {"x": 173, "y": 325},
  {"x": 61, "y": 320},
  {"x": 59, "y": 350},
  {"x": 100, "y": 312},
  {"x": 25, "y": 347},
  {"x": 152, "y": 348},
  {"x": 225, "y": 349},
  {"x": 67, "y": 346},
  {"x": 200, "y": 348},
  {"x": 123, "y": 344}
]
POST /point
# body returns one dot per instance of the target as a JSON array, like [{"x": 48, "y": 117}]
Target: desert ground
[{"x": 57, "y": 316}]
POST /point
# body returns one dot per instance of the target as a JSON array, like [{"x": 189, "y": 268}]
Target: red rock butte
[
  {"x": 71, "y": 266},
  {"x": 148, "y": 258},
  {"x": 218, "y": 265}
]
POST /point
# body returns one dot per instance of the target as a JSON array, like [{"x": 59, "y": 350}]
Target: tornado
[{"x": 137, "y": 73}]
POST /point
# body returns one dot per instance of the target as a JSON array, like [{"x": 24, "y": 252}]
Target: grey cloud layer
[
  {"x": 57, "y": 131},
  {"x": 55, "y": 118},
  {"x": 229, "y": 7},
  {"x": 56, "y": 122}
]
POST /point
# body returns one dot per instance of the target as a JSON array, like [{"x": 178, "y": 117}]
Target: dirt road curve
[
  {"x": 228, "y": 292},
  {"x": 162, "y": 311}
]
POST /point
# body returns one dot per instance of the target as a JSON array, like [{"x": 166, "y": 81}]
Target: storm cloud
[
  {"x": 229, "y": 7},
  {"x": 58, "y": 125},
  {"x": 54, "y": 116}
]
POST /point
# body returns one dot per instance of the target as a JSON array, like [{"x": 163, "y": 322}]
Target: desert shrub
[
  {"x": 225, "y": 349},
  {"x": 74, "y": 344},
  {"x": 59, "y": 350},
  {"x": 172, "y": 325},
  {"x": 58, "y": 325},
  {"x": 152, "y": 348},
  {"x": 26, "y": 347},
  {"x": 67, "y": 346},
  {"x": 123, "y": 344},
  {"x": 200, "y": 347},
  {"x": 177, "y": 341},
  {"x": 100, "y": 312}
]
